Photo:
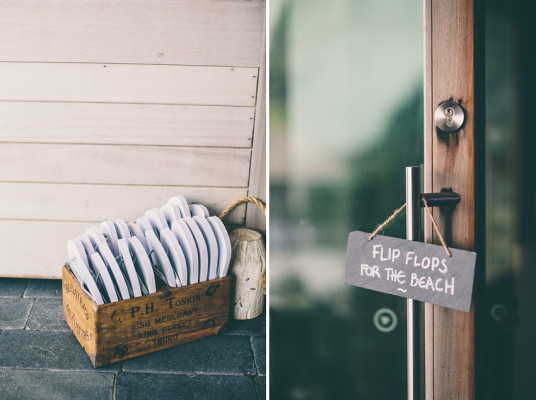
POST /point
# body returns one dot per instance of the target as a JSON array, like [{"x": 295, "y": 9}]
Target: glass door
[{"x": 346, "y": 117}]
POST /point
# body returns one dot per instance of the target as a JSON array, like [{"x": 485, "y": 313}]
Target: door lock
[{"x": 449, "y": 116}]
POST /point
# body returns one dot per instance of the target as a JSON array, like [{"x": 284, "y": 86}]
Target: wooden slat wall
[
  {"x": 125, "y": 83},
  {"x": 76, "y": 202},
  {"x": 110, "y": 108},
  {"x": 143, "y": 124},
  {"x": 186, "y": 32},
  {"x": 144, "y": 165}
]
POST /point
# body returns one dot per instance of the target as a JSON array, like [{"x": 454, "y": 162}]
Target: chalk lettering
[
  {"x": 370, "y": 271},
  {"x": 444, "y": 268},
  {"x": 395, "y": 275},
  {"x": 411, "y": 269},
  {"x": 450, "y": 287},
  {"x": 391, "y": 255},
  {"x": 427, "y": 283},
  {"x": 396, "y": 254}
]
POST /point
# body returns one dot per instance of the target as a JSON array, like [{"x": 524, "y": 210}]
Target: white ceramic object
[
  {"x": 212, "y": 246},
  {"x": 117, "y": 274},
  {"x": 110, "y": 233},
  {"x": 162, "y": 266},
  {"x": 171, "y": 213},
  {"x": 181, "y": 204},
  {"x": 202, "y": 249},
  {"x": 124, "y": 251},
  {"x": 198, "y": 210},
  {"x": 224, "y": 245},
  {"x": 137, "y": 232},
  {"x": 99, "y": 265},
  {"x": 142, "y": 263},
  {"x": 175, "y": 254},
  {"x": 186, "y": 240},
  {"x": 122, "y": 229},
  {"x": 86, "y": 279}
]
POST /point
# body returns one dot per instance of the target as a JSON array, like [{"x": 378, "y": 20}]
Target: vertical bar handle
[{"x": 413, "y": 216}]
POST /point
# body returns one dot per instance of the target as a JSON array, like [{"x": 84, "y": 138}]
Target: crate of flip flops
[{"x": 134, "y": 288}]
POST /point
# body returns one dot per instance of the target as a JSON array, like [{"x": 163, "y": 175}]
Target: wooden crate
[{"x": 129, "y": 328}]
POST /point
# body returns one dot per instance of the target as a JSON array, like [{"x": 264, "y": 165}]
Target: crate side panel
[
  {"x": 164, "y": 319},
  {"x": 79, "y": 311}
]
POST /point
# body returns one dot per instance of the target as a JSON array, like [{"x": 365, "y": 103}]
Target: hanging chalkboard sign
[{"x": 415, "y": 270}]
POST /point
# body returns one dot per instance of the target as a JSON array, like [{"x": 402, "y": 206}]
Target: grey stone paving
[
  {"x": 14, "y": 312},
  {"x": 47, "y": 385},
  {"x": 226, "y": 355},
  {"x": 43, "y": 288},
  {"x": 259, "y": 350},
  {"x": 47, "y": 315},
  {"x": 144, "y": 386},
  {"x": 41, "y": 359},
  {"x": 12, "y": 287}
]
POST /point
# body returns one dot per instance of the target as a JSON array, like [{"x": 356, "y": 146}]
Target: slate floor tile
[
  {"x": 57, "y": 385},
  {"x": 259, "y": 352},
  {"x": 44, "y": 350},
  {"x": 14, "y": 312},
  {"x": 227, "y": 355},
  {"x": 47, "y": 315},
  {"x": 11, "y": 287},
  {"x": 169, "y": 386},
  {"x": 260, "y": 385},
  {"x": 43, "y": 288},
  {"x": 250, "y": 327}
]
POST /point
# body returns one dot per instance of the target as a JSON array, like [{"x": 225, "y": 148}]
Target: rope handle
[
  {"x": 262, "y": 207},
  {"x": 241, "y": 200}
]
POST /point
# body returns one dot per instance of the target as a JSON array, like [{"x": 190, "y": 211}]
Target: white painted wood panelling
[
  {"x": 134, "y": 165},
  {"x": 193, "y": 32},
  {"x": 143, "y": 124},
  {"x": 127, "y": 83},
  {"x": 75, "y": 202},
  {"x": 49, "y": 247},
  {"x": 257, "y": 171},
  {"x": 108, "y": 108}
]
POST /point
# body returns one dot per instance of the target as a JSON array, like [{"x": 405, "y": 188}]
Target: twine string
[
  {"x": 387, "y": 221},
  {"x": 398, "y": 210},
  {"x": 435, "y": 227},
  {"x": 241, "y": 200}
]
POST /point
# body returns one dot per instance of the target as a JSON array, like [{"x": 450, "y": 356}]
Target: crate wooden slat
[{"x": 117, "y": 331}]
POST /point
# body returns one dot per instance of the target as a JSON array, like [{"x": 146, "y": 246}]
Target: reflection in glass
[{"x": 345, "y": 119}]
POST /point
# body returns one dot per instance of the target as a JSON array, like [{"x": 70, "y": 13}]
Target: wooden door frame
[{"x": 453, "y": 69}]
